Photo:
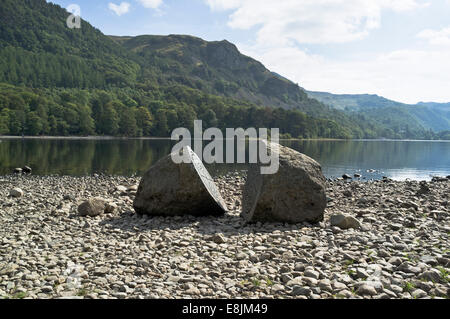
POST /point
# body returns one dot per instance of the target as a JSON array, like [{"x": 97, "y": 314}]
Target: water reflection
[{"x": 399, "y": 160}]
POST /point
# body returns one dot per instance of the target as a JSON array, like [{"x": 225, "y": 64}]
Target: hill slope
[
  {"x": 63, "y": 81},
  {"x": 37, "y": 49},
  {"x": 434, "y": 116}
]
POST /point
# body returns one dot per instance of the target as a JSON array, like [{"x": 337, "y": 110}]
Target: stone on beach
[
  {"x": 296, "y": 193},
  {"x": 92, "y": 207},
  {"x": 16, "y": 192},
  {"x": 171, "y": 189},
  {"x": 122, "y": 255},
  {"x": 344, "y": 221},
  {"x": 27, "y": 169},
  {"x": 110, "y": 208}
]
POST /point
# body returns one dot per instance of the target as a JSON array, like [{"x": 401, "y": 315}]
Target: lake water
[{"x": 399, "y": 160}]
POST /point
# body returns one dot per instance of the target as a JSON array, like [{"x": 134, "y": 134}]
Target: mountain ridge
[
  {"x": 430, "y": 115},
  {"x": 63, "y": 81}
]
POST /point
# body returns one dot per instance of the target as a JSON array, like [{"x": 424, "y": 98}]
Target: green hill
[
  {"x": 428, "y": 116},
  {"x": 61, "y": 81}
]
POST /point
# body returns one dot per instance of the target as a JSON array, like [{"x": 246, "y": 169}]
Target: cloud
[
  {"x": 283, "y": 26},
  {"x": 440, "y": 37},
  {"x": 309, "y": 21},
  {"x": 123, "y": 8},
  {"x": 152, "y": 4},
  {"x": 407, "y": 76}
]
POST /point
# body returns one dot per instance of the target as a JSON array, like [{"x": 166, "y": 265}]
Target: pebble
[
  {"x": 16, "y": 192},
  {"x": 366, "y": 290}
]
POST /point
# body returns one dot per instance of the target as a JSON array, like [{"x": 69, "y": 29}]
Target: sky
[{"x": 399, "y": 49}]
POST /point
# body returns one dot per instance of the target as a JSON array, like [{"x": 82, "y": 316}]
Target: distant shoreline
[{"x": 47, "y": 137}]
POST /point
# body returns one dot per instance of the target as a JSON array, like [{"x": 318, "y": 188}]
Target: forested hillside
[
  {"x": 138, "y": 112},
  {"x": 61, "y": 81},
  {"x": 397, "y": 116}
]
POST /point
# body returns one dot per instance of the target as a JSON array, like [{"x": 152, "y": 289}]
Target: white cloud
[
  {"x": 309, "y": 21},
  {"x": 123, "y": 8},
  {"x": 407, "y": 76},
  {"x": 152, "y": 4},
  {"x": 440, "y": 37}
]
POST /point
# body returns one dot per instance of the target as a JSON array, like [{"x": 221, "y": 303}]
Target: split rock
[
  {"x": 171, "y": 189},
  {"x": 294, "y": 194}
]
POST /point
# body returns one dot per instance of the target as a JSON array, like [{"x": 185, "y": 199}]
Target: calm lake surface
[{"x": 399, "y": 160}]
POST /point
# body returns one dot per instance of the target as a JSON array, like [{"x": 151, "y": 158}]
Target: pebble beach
[{"x": 397, "y": 245}]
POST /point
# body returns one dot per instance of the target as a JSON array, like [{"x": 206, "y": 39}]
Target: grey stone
[
  {"x": 120, "y": 295},
  {"x": 312, "y": 274},
  {"x": 396, "y": 226},
  {"x": 294, "y": 194},
  {"x": 47, "y": 289},
  {"x": 407, "y": 268},
  {"x": 277, "y": 288},
  {"x": 16, "y": 192},
  {"x": 310, "y": 281},
  {"x": 396, "y": 261},
  {"x": 366, "y": 290},
  {"x": 418, "y": 293},
  {"x": 92, "y": 207},
  {"x": 301, "y": 291},
  {"x": 325, "y": 284},
  {"x": 298, "y": 281},
  {"x": 344, "y": 221},
  {"x": 171, "y": 189},
  {"x": 241, "y": 256},
  {"x": 8, "y": 269},
  {"x": 286, "y": 278},
  {"x": 121, "y": 189},
  {"x": 27, "y": 169},
  {"x": 110, "y": 208},
  {"x": 218, "y": 239},
  {"x": 431, "y": 275}
]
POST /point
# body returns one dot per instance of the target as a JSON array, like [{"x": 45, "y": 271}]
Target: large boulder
[
  {"x": 170, "y": 189},
  {"x": 296, "y": 193}
]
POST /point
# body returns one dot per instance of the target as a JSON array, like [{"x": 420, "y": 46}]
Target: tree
[
  {"x": 4, "y": 121},
  {"x": 161, "y": 128},
  {"x": 144, "y": 120},
  {"x": 16, "y": 122},
  {"x": 53, "y": 125},
  {"x": 109, "y": 123},
  {"x": 33, "y": 124},
  {"x": 127, "y": 123},
  {"x": 86, "y": 122},
  {"x": 210, "y": 118}
]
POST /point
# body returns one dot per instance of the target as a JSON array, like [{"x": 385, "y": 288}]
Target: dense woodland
[
  {"x": 126, "y": 112},
  {"x": 60, "y": 81}
]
